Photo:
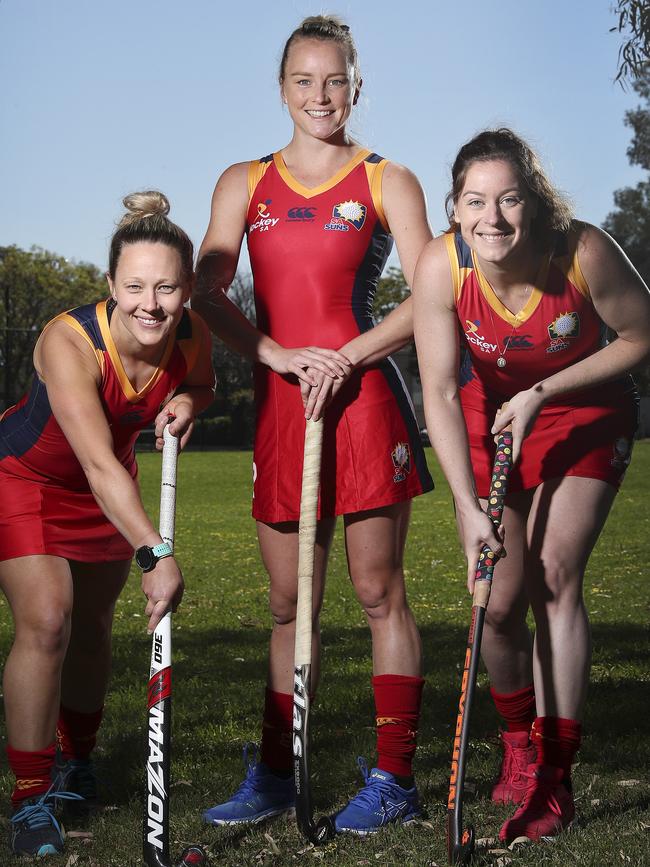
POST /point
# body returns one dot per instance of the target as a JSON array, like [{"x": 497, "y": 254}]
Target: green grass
[{"x": 220, "y": 640}]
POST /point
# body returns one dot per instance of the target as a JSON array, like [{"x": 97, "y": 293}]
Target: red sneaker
[
  {"x": 547, "y": 807},
  {"x": 518, "y": 754}
]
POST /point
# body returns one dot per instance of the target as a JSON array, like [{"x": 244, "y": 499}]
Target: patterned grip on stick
[
  {"x": 307, "y": 538},
  {"x": 498, "y": 490}
]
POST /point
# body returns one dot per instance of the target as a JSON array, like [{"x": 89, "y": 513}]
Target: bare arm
[
  {"x": 622, "y": 301},
  {"x": 72, "y": 378},
  {"x": 216, "y": 269},
  {"x": 436, "y": 337}
]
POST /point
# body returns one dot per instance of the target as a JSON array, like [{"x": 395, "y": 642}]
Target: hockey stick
[
  {"x": 460, "y": 841},
  {"x": 155, "y": 850},
  {"x": 323, "y": 829}
]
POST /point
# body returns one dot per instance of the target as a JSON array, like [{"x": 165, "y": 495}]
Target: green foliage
[
  {"x": 634, "y": 23},
  {"x": 221, "y": 634},
  {"x": 35, "y": 286},
  {"x": 630, "y": 222}
]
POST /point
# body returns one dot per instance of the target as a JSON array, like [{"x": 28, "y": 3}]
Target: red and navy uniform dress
[
  {"x": 46, "y": 505},
  {"x": 316, "y": 256},
  {"x": 587, "y": 433}
]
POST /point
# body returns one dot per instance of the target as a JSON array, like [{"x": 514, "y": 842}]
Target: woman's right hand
[
  {"x": 296, "y": 361},
  {"x": 476, "y": 530},
  {"x": 163, "y": 586}
]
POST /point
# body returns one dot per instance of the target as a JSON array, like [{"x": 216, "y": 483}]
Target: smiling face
[
  {"x": 494, "y": 210},
  {"x": 150, "y": 289},
  {"x": 319, "y": 87}
]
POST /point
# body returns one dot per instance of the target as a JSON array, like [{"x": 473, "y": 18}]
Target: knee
[
  {"x": 46, "y": 632},
  {"x": 503, "y": 619},
  {"x": 560, "y": 586},
  {"x": 283, "y": 607},
  {"x": 380, "y": 594}
]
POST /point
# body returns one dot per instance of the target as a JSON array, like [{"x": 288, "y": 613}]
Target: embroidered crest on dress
[
  {"x": 566, "y": 325},
  {"x": 349, "y": 212},
  {"x": 401, "y": 458}
]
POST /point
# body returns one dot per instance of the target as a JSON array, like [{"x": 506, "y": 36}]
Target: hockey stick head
[
  {"x": 193, "y": 856},
  {"x": 323, "y": 831},
  {"x": 460, "y": 851}
]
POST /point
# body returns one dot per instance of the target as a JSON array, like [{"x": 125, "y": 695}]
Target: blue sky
[{"x": 101, "y": 98}]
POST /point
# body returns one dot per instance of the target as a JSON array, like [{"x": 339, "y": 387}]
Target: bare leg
[
  {"x": 279, "y": 548},
  {"x": 565, "y": 521},
  {"x": 507, "y": 644},
  {"x": 374, "y": 543},
  {"x": 88, "y": 661},
  {"x": 39, "y": 592}
]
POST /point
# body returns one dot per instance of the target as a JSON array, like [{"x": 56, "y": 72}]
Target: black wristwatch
[{"x": 147, "y": 557}]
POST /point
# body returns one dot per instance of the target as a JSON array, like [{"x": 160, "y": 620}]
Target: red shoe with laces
[
  {"x": 547, "y": 807},
  {"x": 518, "y": 754}
]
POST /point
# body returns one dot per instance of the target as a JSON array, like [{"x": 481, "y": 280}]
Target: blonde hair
[
  {"x": 146, "y": 220},
  {"x": 327, "y": 28}
]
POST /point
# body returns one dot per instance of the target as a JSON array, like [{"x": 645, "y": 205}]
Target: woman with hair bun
[
  {"x": 319, "y": 217},
  {"x": 71, "y": 513},
  {"x": 513, "y": 304}
]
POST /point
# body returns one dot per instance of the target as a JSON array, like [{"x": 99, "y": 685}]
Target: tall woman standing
[
  {"x": 524, "y": 294},
  {"x": 319, "y": 216},
  {"x": 71, "y": 513}
]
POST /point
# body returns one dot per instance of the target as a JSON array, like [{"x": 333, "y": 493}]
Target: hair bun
[{"x": 148, "y": 203}]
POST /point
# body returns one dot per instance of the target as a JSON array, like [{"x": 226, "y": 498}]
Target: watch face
[{"x": 144, "y": 557}]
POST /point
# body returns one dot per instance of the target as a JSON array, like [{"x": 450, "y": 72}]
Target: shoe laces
[
  {"x": 515, "y": 762},
  {"x": 252, "y": 781},
  {"x": 540, "y": 795},
  {"x": 38, "y": 814},
  {"x": 375, "y": 789}
]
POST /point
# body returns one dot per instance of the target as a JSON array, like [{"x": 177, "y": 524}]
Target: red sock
[
  {"x": 517, "y": 708},
  {"x": 31, "y": 770},
  {"x": 76, "y": 732},
  {"x": 557, "y": 741},
  {"x": 276, "y": 750},
  {"x": 397, "y": 701}
]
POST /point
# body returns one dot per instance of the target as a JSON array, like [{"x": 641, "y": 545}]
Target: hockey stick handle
[
  {"x": 496, "y": 501},
  {"x": 307, "y": 539}
]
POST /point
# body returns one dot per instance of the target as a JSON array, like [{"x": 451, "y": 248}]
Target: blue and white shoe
[
  {"x": 381, "y": 801},
  {"x": 262, "y": 795},
  {"x": 34, "y": 827}
]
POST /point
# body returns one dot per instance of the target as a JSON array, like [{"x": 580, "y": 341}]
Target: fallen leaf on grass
[
  {"x": 502, "y": 862},
  {"x": 497, "y": 851},
  {"x": 624, "y": 857},
  {"x": 645, "y": 826},
  {"x": 182, "y": 783},
  {"x": 72, "y": 860},
  {"x": 306, "y": 849},
  {"x": 83, "y": 835},
  {"x": 629, "y": 783},
  {"x": 519, "y": 841},
  {"x": 273, "y": 845},
  {"x": 422, "y": 823},
  {"x": 594, "y": 802},
  {"x": 485, "y": 842}
]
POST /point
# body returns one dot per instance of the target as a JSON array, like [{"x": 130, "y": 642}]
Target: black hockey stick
[
  {"x": 460, "y": 841},
  {"x": 155, "y": 851},
  {"x": 323, "y": 829}
]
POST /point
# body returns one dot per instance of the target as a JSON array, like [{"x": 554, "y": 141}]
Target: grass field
[{"x": 220, "y": 638}]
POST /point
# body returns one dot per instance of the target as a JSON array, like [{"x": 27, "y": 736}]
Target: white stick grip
[
  {"x": 307, "y": 538},
  {"x": 168, "y": 487}
]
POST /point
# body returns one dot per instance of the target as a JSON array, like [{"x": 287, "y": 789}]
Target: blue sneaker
[
  {"x": 381, "y": 801},
  {"x": 34, "y": 827},
  {"x": 260, "y": 796}
]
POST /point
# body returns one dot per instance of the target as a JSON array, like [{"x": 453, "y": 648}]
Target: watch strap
[{"x": 162, "y": 550}]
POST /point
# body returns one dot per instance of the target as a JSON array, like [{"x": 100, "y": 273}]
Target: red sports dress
[
  {"x": 316, "y": 256},
  {"x": 46, "y": 505},
  {"x": 587, "y": 433}
]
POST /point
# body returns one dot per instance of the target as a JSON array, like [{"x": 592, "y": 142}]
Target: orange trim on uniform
[
  {"x": 497, "y": 305},
  {"x": 256, "y": 171},
  {"x": 78, "y": 328},
  {"x": 375, "y": 174},
  {"x": 456, "y": 278},
  {"x": 127, "y": 388},
  {"x": 574, "y": 273},
  {"x": 308, "y": 192}
]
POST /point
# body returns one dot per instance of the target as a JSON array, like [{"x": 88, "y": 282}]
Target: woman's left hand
[
  {"x": 181, "y": 422},
  {"x": 520, "y": 413},
  {"x": 317, "y": 397}
]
